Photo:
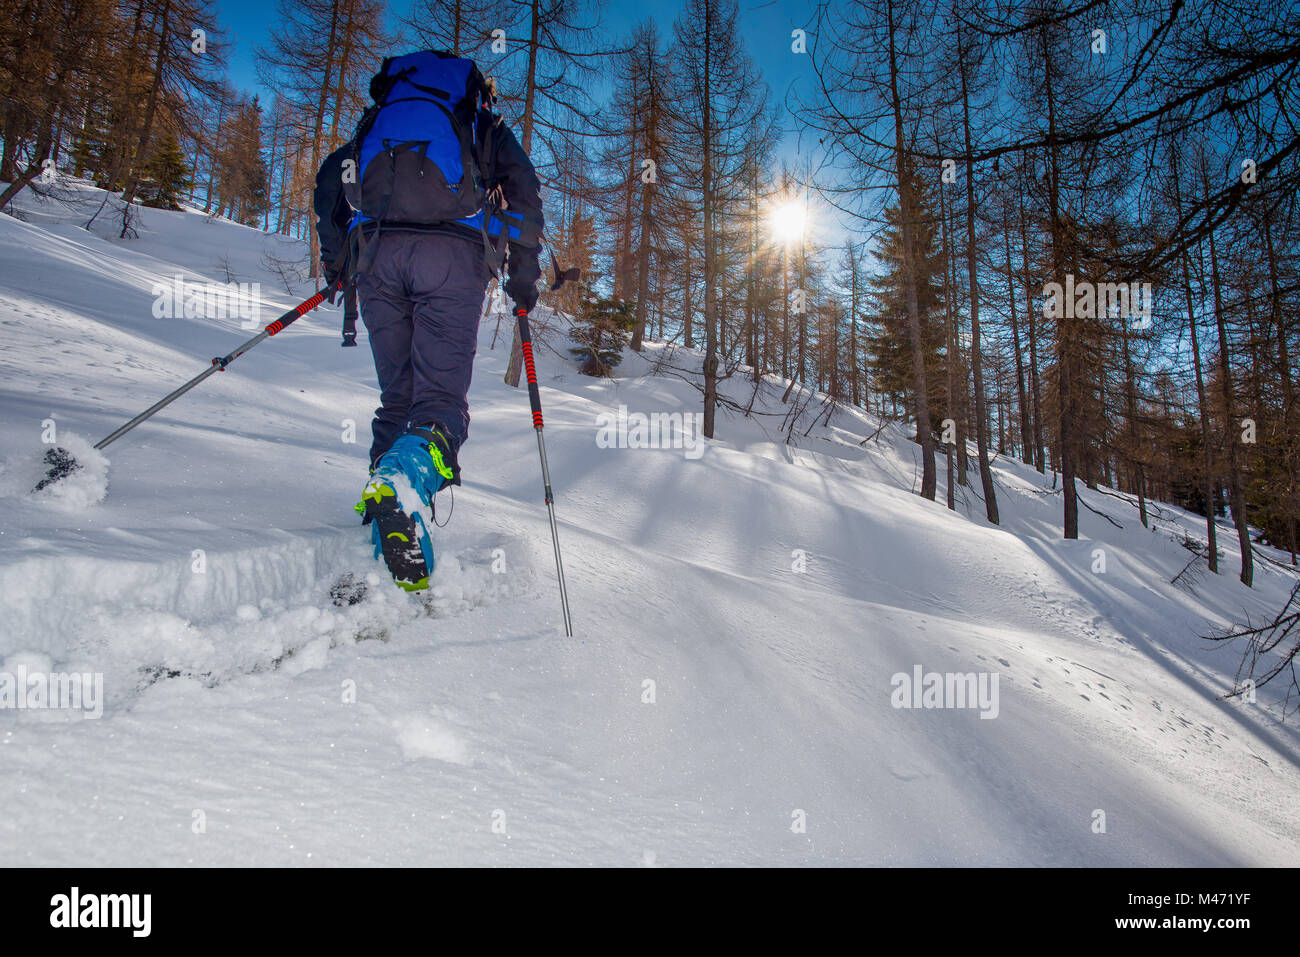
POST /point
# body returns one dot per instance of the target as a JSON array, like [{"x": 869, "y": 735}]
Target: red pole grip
[
  {"x": 530, "y": 368},
  {"x": 300, "y": 310}
]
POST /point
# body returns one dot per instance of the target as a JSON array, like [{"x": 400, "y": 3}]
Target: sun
[{"x": 789, "y": 220}]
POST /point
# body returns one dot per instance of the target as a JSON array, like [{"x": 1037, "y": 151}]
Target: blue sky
[{"x": 764, "y": 25}]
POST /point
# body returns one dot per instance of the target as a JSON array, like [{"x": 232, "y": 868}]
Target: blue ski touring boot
[{"x": 403, "y": 482}]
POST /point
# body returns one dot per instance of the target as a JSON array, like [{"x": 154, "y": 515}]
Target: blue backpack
[{"x": 422, "y": 153}]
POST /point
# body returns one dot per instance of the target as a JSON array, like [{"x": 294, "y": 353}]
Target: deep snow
[{"x": 713, "y": 697}]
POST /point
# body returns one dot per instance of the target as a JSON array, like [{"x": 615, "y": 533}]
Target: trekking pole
[
  {"x": 61, "y": 461},
  {"x": 535, "y": 399}
]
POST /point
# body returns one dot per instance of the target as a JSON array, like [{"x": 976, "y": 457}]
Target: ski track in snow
[{"x": 713, "y": 692}]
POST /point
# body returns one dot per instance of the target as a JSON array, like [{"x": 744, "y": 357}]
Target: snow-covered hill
[{"x": 741, "y": 618}]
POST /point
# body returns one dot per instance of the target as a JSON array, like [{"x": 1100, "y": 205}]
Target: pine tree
[
  {"x": 890, "y": 347},
  {"x": 241, "y": 170},
  {"x": 166, "y": 175},
  {"x": 603, "y": 330}
]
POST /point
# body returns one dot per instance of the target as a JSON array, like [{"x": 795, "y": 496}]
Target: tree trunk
[
  {"x": 642, "y": 267},
  {"x": 1065, "y": 371},
  {"x": 1131, "y": 408},
  {"x": 957, "y": 398},
  {"x": 1284, "y": 363},
  {"x": 43, "y": 140},
  {"x": 318, "y": 128},
  {"x": 710, "y": 292},
  {"x": 853, "y": 326},
  {"x": 954, "y": 351},
  {"x": 1022, "y": 403},
  {"x": 216, "y": 147},
  {"x": 785, "y": 315},
  {"x": 1236, "y": 494},
  {"x": 751, "y": 334},
  {"x": 623, "y": 269},
  {"x": 146, "y": 130},
  {"x": 1031, "y": 329},
  {"x": 907, "y": 209},
  {"x": 981, "y": 429},
  {"x": 514, "y": 366},
  {"x": 345, "y": 60}
]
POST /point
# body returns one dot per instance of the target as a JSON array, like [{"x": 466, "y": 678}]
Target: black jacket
[
  {"x": 332, "y": 210},
  {"x": 512, "y": 171}
]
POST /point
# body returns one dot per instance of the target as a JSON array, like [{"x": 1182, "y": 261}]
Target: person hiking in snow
[{"x": 421, "y": 208}]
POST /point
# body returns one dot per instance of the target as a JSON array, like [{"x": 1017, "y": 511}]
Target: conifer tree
[
  {"x": 166, "y": 174},
  {"x": 603, "y": 330}
]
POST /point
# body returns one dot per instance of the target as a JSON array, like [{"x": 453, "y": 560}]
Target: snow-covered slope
[{"x": 740, "y": 616}]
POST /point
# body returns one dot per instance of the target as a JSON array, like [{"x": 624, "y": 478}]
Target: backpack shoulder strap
[
  {"x": 485, "y": 142},
  {"x": 493, "y": 197}
]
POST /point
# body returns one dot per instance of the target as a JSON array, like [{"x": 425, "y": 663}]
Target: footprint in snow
[{"x": 909, "y": 773}]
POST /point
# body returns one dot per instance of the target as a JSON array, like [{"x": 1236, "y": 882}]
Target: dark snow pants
[{"x": 420, "y": 301}]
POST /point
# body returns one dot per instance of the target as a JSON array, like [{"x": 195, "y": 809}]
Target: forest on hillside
[{"x": 1066, "y": 233}]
